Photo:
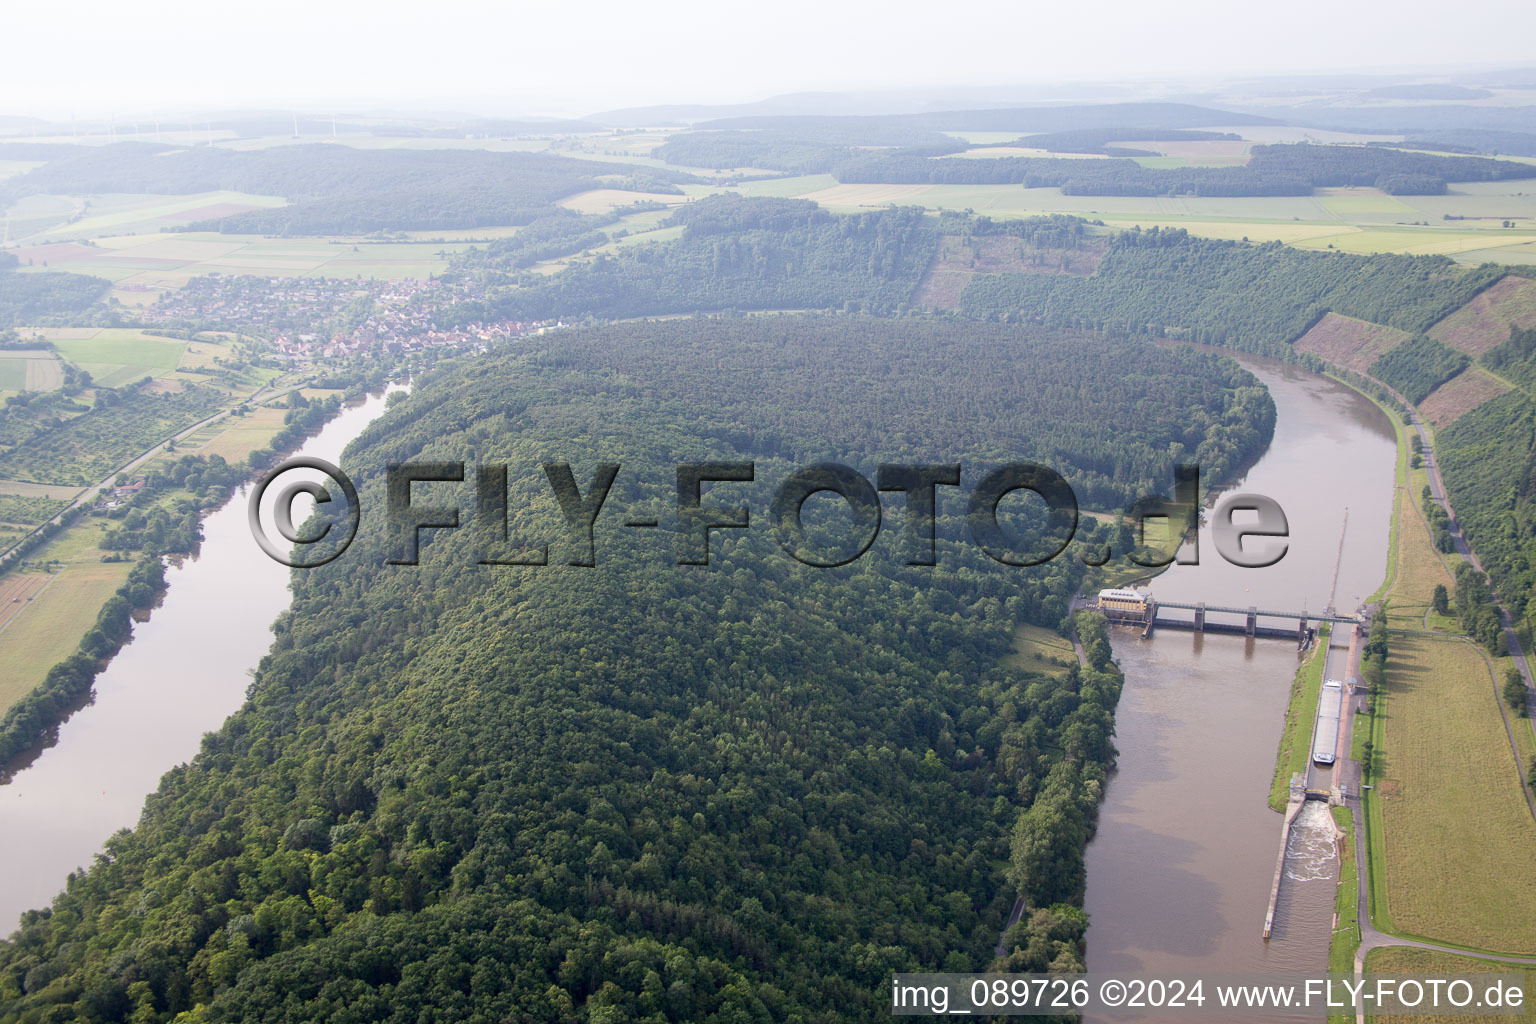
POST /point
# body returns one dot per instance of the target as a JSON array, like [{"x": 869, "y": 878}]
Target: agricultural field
[
  {"x": 998, "y": 152},
  {"x": 234, "y": 438},
  {"x": 49, "y": 627},
  {"x": 1348, "y": 219},
  {"x": 1419, "y": 569},
  {"x": 1460, "y": 395},
  {"x": 1211, "y": 153},
  {"x": 1484, "y": 322},
  {"x": 16, "y": 373},
  {"x": 604, "y": 199},
  {"x": 29, "y": 369},
  {"x": 115, "y": 356},
  {"x": 29, "y": 489},
  {"x": 799, "y": 185},
  {"x": 16, "y": 590},
  {"x": 1451, "y": 805},
  {"x": 79, "y": 217},
  {"x": 1351, "y": 343},
  {"x": 142, "y": 266},
  {"x": 1433, "y": 964}
]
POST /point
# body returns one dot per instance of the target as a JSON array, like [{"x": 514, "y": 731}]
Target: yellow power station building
[{"x": 1117, "y": 600}]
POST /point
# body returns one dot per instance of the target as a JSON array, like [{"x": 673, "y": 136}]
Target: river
[
  {"x": 1180, "y": 869},
  {"x": 183, "y": 673},
  {"x": 1179, "y": 872}
]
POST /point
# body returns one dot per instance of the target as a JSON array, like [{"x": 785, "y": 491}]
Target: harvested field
[
  {"x": 16, "y": 590},
  {"x": 941, "y": 289},
  {"x": 959, "y": 258},
  {"x": 28, "y": 489},
  {"x": 1460, "y": 395},
  {"x": 37, "y": 255},
  {"x": 1350, "y": 343},
  {"x": 1484, "y": 322},
  {"x": 213, "y": 210},
  {"x": 1448, "y": 774}
]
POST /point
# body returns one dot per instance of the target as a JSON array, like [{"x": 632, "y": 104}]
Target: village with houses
[{"x": 304, "y": 319}]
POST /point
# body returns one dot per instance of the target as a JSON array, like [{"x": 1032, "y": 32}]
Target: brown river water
[{"x": 1179, "y": 872}]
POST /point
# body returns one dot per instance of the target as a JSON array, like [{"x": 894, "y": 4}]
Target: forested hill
[
  {"x": 644, "y": 792},
  {"x": 1256, "y": 297},
  {"x": 340, "y": 189},
  {"x": 736, "y": 253}
]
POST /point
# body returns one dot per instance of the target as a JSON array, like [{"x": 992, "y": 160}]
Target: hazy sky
[{"x": 575, "y": 57}]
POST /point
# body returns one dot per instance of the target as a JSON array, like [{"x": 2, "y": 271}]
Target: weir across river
[{"x": 1151, "y": 617}]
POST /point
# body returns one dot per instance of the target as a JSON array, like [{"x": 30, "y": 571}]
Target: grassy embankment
[
  {"x": 1037, "y": 649},
  {"x": 1300, "y": 718},
  {"x": 1448, "y": 826},
  {"x": 1346, "y": 929}
]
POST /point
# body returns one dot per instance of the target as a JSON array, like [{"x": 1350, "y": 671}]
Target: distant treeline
[
  {"x": 1097, "y": 140},
  {"x": 1473, "y": 140},
  {"x": 1256, "y": 297},
  {"x": 1281, "y": 170},
  {"x": 342, "y": 190}
]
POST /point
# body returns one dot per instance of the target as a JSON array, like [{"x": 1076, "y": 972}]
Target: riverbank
[
  {"x": 184, "y": 672},
  {"x": 1300, "y": 714},
  {"x": 1424, "y": 879},
  {"x": 1180, "y": 871},
  {"x": 50, "y": 625}
]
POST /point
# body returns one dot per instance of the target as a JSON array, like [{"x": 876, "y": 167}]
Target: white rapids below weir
[{"x": 1309, "y": 853}]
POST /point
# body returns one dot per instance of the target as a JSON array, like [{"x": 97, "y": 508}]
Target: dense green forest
[
  {"x": 736, "y": 253},
  {"x": 341, "y": 190},
  {"x": 640, "y": 791},
  {"x": 763, "y": 253},
  {"x": 1278, "y": 170},
  {"x": 1256, "y": 297},
  {"x": 1515, "y": 359},
  {"x": 1418, "y": 366},
  {"x": 35, "y": 297},
  {"x": 1486, "y": 458}
]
